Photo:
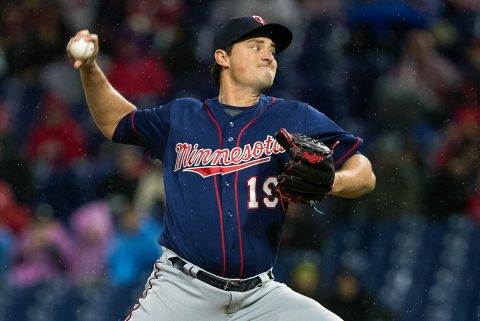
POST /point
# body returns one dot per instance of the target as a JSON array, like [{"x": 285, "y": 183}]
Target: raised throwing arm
[{"x": 106, "y": 105}]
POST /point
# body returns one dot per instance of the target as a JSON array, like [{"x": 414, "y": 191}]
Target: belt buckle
[
  {"x": 226, "y": 285},
  {"x": 230, "y": 283}
]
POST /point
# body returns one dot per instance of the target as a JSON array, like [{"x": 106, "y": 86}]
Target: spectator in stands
[
  {"x": 57, "y": 139},
  {"x": 352, "y": 303},
  {"x": 137, "y": 73},
  {"x": 53, "y": 147},
  {"x": 149, "y": 200},
  {"x": 78, "y": 14},
  {"x": 93, "y": 229},
  {"x": 159, "y": 19},
  {"x": 320, "y": 62},
  {"x": 401, "y": 181},
  {"x": 304, "y": 229},
  {"x": 131, "y": 252},
  {"x": 473, "y": 202},
  {"x": 15, "y": 170},
  {"x": 35, "y": 32},
  {"x": 170, "y": 23},
  {"x": 458, "y": 25},
  {"x": 375, "y": 32},
  {"x": 455, "y": 165},
  {"x": 7, "y": 243},
  {"x": 305, "y": 279},
  {"x": 13, "y": 216},
  {"x": 150, "y": 191},
  {"x": 123, "y": 178},
  {"x": 43, "y": 251},
  {"x": 419, "y": 87},
  {"x": 470, "y": 95}
]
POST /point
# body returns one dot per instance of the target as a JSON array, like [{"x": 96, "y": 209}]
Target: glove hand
[{"x": 308, "y": 177}]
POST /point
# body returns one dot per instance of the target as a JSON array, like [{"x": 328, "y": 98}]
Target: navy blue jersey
[{"x": 219, "y": 172}]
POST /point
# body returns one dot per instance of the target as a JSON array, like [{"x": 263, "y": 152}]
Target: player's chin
[
  {"x": 264, "y": 86},
  {"x": 266, "y": 82}
]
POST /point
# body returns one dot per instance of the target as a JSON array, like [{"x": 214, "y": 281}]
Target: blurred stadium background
[{"x": 79, "y": 216}]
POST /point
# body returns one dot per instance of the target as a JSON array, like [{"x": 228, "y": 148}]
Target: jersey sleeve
[
  {"x": 323, "y": 128},
  {"x": 148, "y": 128}
]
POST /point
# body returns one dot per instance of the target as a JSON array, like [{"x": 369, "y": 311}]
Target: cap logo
[{"x": 259, "y": 20}]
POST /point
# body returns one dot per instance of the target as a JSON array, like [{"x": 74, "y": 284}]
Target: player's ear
[{"x": 221, "y": 58}]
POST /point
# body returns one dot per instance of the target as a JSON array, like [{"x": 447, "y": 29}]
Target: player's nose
[{"x": 268, "y": 55}]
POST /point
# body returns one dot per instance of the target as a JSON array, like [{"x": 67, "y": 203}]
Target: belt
[{"x": 220, "y": 283}]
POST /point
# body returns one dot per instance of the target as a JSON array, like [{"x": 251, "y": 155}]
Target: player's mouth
[{"x": 265, "y": 66}]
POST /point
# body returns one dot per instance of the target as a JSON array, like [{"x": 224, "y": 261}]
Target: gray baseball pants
[{"x": 171, "y": 295}]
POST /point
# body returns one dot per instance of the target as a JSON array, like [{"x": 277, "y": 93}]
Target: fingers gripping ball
[
  {"x": 310, "y": 173},
  {"x": 82, "y": 49}
]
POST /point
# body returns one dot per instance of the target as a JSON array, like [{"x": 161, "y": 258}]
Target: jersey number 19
[{"x": 268, "y": 199}]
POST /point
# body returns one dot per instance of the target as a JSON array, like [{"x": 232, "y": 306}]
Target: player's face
[{"x": 252, "y": 63}]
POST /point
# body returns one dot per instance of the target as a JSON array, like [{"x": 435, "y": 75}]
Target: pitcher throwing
[{"x": 224, "y": 173}]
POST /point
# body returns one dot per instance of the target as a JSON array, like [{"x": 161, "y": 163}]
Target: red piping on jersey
[
  {"x": 239, "y": 230},
  {"x": 217, "y": 194},
  {"x": 154, "y": 276},
  {"x": 348, "y": 152},
  {"x": 133, "y": 124}
]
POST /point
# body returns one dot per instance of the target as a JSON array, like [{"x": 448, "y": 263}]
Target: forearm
[
  {"x": 354, "y": 179},
  {"x": 106, "y": 105}
]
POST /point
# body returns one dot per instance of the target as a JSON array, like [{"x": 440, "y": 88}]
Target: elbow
[
  {"x": 370, "y": 179},
  {"x": 370, "y": 186},
  {"x": 362, "y": 186},
  {"x": 367, "y": 187}
]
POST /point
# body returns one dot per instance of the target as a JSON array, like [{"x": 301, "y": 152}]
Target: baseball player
[{"x": 222, "y": 163}]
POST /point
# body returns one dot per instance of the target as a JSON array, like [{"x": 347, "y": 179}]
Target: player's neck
[{"x": 238, "y": 97}]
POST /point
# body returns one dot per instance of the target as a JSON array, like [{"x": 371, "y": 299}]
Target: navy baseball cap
[{"x": 240, "y": 28}]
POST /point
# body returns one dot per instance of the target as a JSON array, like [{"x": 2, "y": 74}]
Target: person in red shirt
[{"x": 58, "y": 138}]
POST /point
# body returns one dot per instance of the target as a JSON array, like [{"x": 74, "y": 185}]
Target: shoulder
[
  {"x": 291, "y": 104},
  {"x": 175, "y": 106},
  {"x": 185, "y": 103},
  {"x": 284, "y": 102}
]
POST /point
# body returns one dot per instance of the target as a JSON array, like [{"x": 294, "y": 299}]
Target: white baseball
[{"x": 81, "y": 49}]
